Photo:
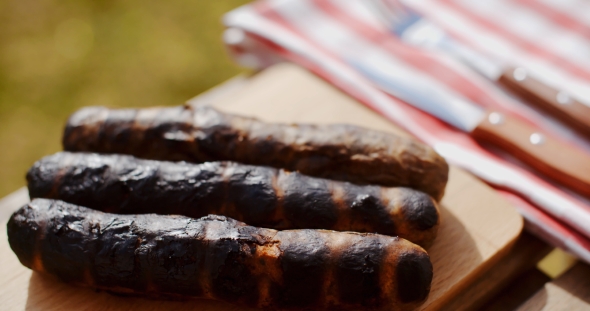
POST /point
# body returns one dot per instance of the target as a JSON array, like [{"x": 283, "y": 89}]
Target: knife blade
[
  {"x": 561, "y": 162},
  {"x": 412, "y": 28}
]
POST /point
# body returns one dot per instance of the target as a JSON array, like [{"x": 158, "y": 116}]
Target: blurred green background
[{"x": 57, "y": 56}]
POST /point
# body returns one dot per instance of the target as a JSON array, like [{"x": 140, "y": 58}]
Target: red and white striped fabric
[{"x": 326, "y": 36}]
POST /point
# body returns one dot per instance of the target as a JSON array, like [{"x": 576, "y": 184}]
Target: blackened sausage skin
[
  {"x": 219, "y": 258},
  {"x": 259, "y": 196},
  {"x": 199, "y": 134}
]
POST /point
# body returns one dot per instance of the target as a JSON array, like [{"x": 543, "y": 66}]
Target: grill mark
[
  {"x": 58, "y": 180},
  {"x": 419, "y": 210},
  {"x": 102, "y": 140},
  {"x": 80, "y": 133},
  {"x": 88, "y": 278},
  {"x": 279, "y": 218},
  {"x": 226, "y": 204},
  {"x": 389, "y": 198},
  {"x": 357, "y": 272},
  {"x": 344, "y": 220},
  {"x": 232, "y": 281},
  {"x": 290, "y": 135},
  {"x": 308, "y": 203},
  {"x": 252, "y": 194},
  {"x": 54, "y": 192},
  {"x": 387, "y": 274},
  {"x": 304, "y": 262},
  {"x": 268, "y": 272},
  {"x": 204, "y": 277},
  {"x": 149, "y": 115},
  {"x": 144, "y": 277},
  {"x": 37, "y": 262},
  {"x": 336, "y": 244},
  {"x": 417, "y": 214},
  {"x": 367, "y": 210},
  {"x": 413, "y": 276},
  {"x": 99, "y": 129}
]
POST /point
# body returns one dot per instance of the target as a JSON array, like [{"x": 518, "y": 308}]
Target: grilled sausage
[
  {"x": 219, "y": 258},
  {"x": 198, "y": 134},
  {"x": 259, "y": 196}
]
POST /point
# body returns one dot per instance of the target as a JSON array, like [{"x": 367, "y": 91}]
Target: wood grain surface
[
  {"x": 569, "y": 292},
  {"x": 518, "y": 292},
  {"x": 478, "y": 227},
  {"x": 556, "y": 103},
  {"x": 562, "y": 162},
  {"x": 523, "y": 258}
]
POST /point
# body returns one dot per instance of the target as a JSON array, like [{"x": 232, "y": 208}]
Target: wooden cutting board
[{"x": 478, "y": 227}]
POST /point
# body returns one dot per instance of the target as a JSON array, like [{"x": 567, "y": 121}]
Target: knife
[
  {"x": 561, "y": 162},
  {"x": 418, "y": 31}
]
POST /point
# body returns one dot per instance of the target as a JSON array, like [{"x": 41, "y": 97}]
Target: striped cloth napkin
[{"x": 551, "y": 38}]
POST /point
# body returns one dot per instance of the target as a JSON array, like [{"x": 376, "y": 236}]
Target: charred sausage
[
  {"x": 259, "y": 196},
  {"x": 198, "y": 134},
  {"x": 220, "y": 258}
]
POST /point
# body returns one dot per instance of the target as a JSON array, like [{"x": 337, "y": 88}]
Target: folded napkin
[{"x": 332, "y": 37}]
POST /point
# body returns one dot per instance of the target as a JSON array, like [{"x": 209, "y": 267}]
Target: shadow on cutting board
[
  {"x": 47, "y": 293},
  {"x": 454, "y": 255}
]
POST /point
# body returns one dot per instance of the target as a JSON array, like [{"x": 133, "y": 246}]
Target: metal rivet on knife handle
[
  {"x": 496, "y": 118},
  {"x": 520, "y": 74},
  {"x": 537, "y": 139},
  {"x": 564, "y": 98}
]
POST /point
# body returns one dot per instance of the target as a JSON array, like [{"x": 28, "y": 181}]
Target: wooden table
[{"x": 481, "y": 259}]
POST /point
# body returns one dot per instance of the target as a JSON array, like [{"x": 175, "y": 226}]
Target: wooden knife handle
[
  {"x": 561, "y": 162},
  {"x": 555, "y": 102}
]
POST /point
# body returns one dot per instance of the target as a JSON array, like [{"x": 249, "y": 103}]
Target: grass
[{"x": 57, "y": 56}]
